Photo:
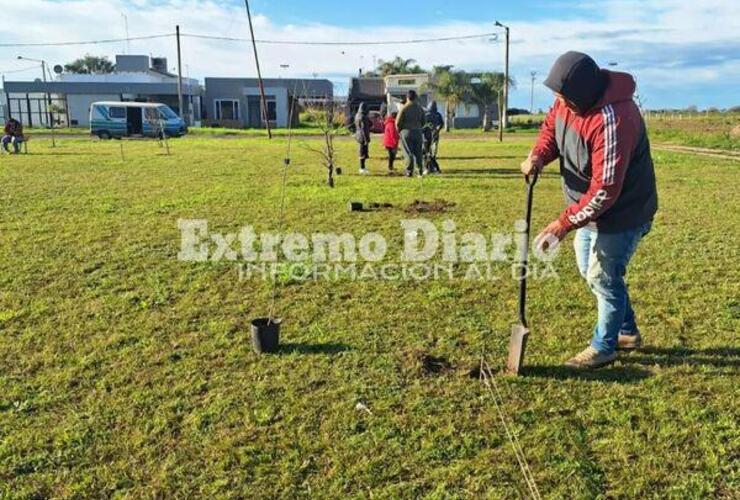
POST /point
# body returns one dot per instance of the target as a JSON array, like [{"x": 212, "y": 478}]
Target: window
[
  {"x": 167, "y": 112},
  {"x": 411, "y": 81},
  {"x": 227, "y": 109},
  {"x": 272, "y": 111},
  {"x": 117, "y": 113},
  {"x": 98, "y": 113},
  {"x": 151, "y": 115}
]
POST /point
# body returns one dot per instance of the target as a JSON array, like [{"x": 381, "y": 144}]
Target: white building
[{"x": 135, "y": 78}]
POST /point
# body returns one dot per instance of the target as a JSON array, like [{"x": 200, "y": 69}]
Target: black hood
[
  {"x": 577, "y": 77},
  {"x": 432, "y": 107}
]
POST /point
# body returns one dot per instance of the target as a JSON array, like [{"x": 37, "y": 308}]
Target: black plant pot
[{"x": 265, "y": 335}]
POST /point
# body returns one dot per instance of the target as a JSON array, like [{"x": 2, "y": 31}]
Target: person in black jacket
[
  {"x": 410, "y": 124},
  {"x": 434, "y": 125},
  {"x": 362, "y": 135}
]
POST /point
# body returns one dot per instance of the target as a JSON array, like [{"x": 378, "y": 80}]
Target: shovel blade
[{"x": 517, "y": 346}]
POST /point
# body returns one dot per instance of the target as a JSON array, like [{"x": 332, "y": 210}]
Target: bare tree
[{"x": 330, "y": 122}]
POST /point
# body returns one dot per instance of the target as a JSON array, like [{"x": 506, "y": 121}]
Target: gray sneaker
[
  {"x": 629, "y": 341},
  {"x": 590, "y": 358}
]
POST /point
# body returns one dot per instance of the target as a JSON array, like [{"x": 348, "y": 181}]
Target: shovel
[{"x": 520, "y": 332}]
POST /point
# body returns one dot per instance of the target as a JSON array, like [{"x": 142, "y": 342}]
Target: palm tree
[
  {"x": 398, "y": 66},
  {"x": 451, "y": 86},
  {"x": 484, "y": 91},
  {"x": 90, "y": 65}
]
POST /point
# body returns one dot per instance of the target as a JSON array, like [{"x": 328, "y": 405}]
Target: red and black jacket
[{"x": 605, "y": 162}]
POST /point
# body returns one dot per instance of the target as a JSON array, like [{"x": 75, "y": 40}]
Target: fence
[{"x": 38, "y": 110}]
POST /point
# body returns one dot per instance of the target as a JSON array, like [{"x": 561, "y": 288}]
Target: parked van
[{"x": 109, "y": 120}]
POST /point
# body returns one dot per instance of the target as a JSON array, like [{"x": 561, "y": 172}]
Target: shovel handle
[{"x": 531, "y": 180}]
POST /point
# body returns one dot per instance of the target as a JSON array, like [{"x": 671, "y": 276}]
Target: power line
[
  {"x": 87, "y": 42},
  {"x": 265, "y": 42},
  {"x": 304, "y": 42}
]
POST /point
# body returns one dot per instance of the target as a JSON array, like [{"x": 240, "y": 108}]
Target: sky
[{"x": 681, "y": 52}]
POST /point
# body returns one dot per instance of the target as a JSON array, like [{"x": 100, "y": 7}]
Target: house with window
[
  {"x": 68, "y": 97},
  {"x": 236, "y": 102},
  {"x": 465, "y": 115}
]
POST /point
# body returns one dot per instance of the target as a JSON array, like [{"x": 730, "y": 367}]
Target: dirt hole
[
  {"x": 424, "y": 363},
  {"x": 436, "y": 206}
]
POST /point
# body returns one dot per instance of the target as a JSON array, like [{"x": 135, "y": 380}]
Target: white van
[{"x": 109, "y": 120}]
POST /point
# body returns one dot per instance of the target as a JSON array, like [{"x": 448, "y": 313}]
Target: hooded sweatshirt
[
  {"x": 433, "y": 117},
  {"x": 391, "y": 136},
  {"x": 604, "y": 152},
  {"x": 14, "y": 128},
  {"x": 362, "y": 125}
]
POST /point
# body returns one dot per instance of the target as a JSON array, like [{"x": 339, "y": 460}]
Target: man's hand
[
  {"x": 532, "y": 165},
  {"x": 550, "y": 236}
]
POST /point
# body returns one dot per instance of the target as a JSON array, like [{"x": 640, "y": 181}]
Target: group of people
[
  {"x": 414, "y": 128},
  {"x": 13, "y": 135}
]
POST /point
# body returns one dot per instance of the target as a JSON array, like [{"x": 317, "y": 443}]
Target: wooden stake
[{"x": 259, "y": 73}]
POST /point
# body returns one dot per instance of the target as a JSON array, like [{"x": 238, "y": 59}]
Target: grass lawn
[{"x": 127, "y": 373}]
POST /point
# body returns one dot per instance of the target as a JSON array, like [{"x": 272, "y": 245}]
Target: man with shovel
[{"x": 596, "y": 131}]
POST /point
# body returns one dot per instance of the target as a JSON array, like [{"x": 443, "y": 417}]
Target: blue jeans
[{"x": 602, "y": 259}]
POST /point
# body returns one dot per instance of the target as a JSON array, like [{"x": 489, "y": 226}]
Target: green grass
[
  {"x": 713, "y": 130},
  {"x": 126, "y": 373},
  {"x": 704, "y": 130}
]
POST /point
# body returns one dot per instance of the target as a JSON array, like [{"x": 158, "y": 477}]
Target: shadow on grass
[
  {"x": 615, "y": 374},
  {"x": 508, "y": 172},
  {"x": 303, "y": 348},
  {"x": 681, "y": 356}
]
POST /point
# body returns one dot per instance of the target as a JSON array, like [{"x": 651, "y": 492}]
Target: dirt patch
[
  {"x": 424, "y": 364},
  {"x": 474, "y": 372},
  {"x": 735, "y": 132},
  {"x": 436, "y": 206}
]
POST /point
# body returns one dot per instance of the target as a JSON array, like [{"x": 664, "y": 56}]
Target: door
[
  {"x": 133, "y": 121},
  {"x": 254, "y": 113}
]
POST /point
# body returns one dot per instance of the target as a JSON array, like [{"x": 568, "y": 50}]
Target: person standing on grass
[
  {"x": 597, "y": 132},
  {"x": 391, "y": 138},
  {"x": 410, "y": 123},
  {"x": 434, "y": 125},
  {"x": 13, "y": 135},
  {"x": 362, "y": 134}
]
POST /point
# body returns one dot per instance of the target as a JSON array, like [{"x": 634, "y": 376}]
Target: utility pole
[
  {"x": 49, "y": 112},
  {"x": 531, "y": 99},
  {"x": 263, "y": 99},
  {"x": 500, "y": 116},
  {"x": 127, "y": 47},
  {"x": 505, "y": 113},
  {"x": 179, "y": 75}
]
